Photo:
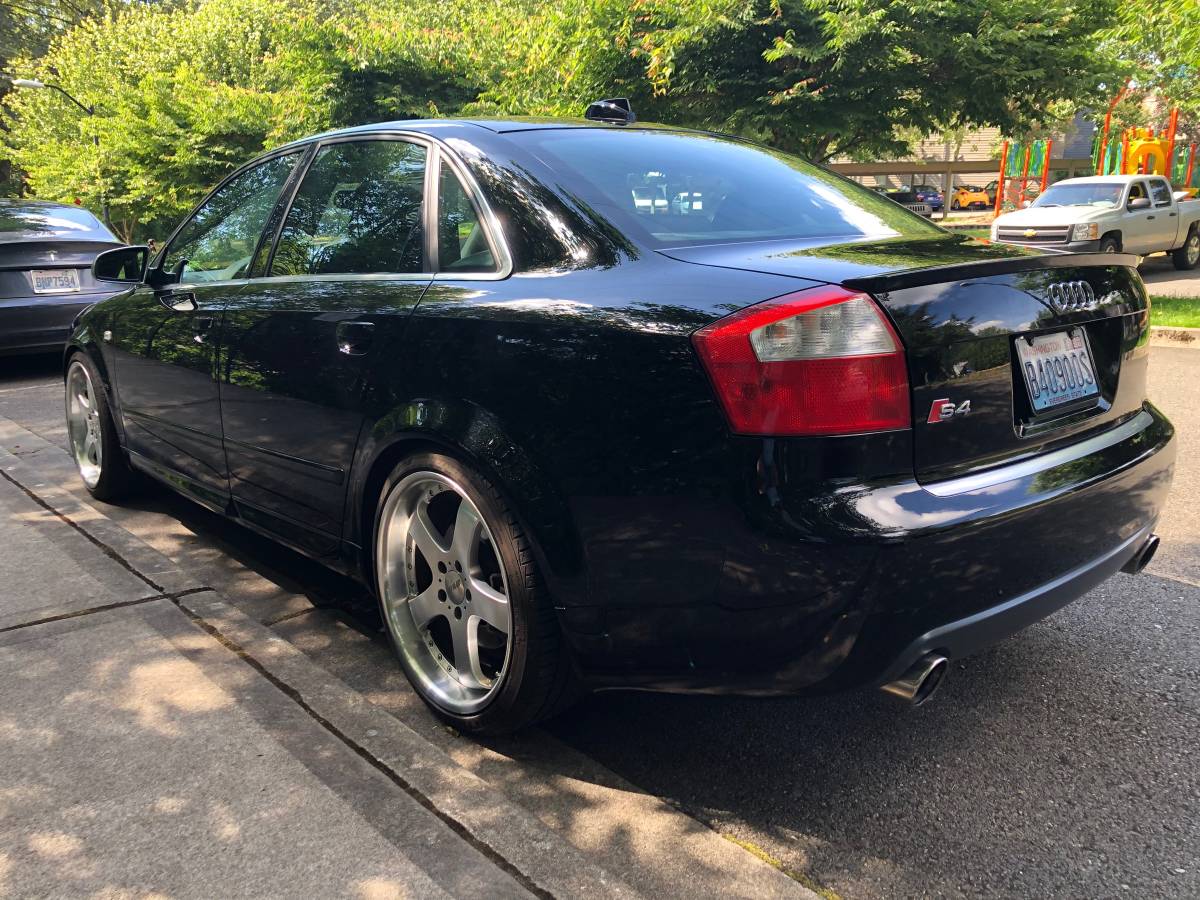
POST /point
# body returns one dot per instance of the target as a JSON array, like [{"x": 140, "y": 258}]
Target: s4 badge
[{"x": 945, "y": 409}]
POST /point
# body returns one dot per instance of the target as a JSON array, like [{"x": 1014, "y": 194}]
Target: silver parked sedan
[{"x": 46, "y": 253}]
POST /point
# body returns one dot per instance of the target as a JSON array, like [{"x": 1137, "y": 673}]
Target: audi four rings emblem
[{"x": 1065, "y": 296}]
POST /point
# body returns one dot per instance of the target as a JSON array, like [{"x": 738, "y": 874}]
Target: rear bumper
[
  {"x": 989, "y": 626},
  {"x": 41, "y": 322},
  {"x": 863, "y": 580}
]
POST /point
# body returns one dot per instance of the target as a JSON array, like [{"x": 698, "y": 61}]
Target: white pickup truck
[{"x": 1108, "y": 213}]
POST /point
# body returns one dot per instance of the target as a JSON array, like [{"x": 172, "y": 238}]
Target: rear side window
[
  {"x": 358, "y": 211},
  {"x": 674, "y": 189},
  {"x": 462, "y": 242},
  {"x": 1160, "y": 192}
]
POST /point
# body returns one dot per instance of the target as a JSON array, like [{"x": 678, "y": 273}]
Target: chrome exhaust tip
[
  {"x": 921, "y": 680},
  {"x": 1142, "y": 557}
]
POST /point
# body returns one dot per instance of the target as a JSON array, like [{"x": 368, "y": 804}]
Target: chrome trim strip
[{"x": 967, "y": 483}]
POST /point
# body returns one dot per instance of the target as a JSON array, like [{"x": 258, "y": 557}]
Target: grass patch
[
  {"x": 984, "y": 233},
  {"x": 766, "y": 857},
  {"x": 1177, "y": 312}
]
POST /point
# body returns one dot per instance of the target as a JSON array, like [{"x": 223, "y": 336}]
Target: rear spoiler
[{"x": 897, "y": 281}]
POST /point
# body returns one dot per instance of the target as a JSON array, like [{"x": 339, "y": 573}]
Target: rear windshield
[
  {"x": 33, "y": 221},
  {"x": 674, "y": 189}
]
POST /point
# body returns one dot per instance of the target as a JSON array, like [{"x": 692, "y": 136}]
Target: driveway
[{"x": 1062, "y": 763}]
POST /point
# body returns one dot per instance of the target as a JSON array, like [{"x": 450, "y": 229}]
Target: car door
[
  {"x": 349, "y": 264},
  {"x": 1165, "y": 215},
  {"x": 1137, "y": 225},
  {"x": 165, "y": 336}
]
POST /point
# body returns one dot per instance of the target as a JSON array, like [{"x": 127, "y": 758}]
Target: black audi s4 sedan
[
  {"x": 46, "y": 253},
  {"x": 592, "y": 405}
]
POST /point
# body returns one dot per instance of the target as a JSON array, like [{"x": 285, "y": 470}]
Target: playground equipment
[
  {"x": 1139, "y": 151},
  {"x": 1019, "y": 163}
]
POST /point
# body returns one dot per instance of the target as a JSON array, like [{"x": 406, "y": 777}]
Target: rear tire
[
  {"x": 954, "y": 204},
  {"x": 1188, "y": 255},
  {"x": 463, "y": 603},
  {"x": 1109, "y": 244},
  {"x": 92, "y": 433}
]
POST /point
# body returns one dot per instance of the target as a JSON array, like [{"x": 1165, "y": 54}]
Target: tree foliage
[
  {"x": 1158, "y": 45},
  {"x": 185, "y": 92}
]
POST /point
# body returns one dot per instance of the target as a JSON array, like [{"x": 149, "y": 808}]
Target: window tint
[
  {"x": 462, "y": 243},
  {"x": 218, "y": 241},
  {"x": 1161, "y": 192},
  {"x": 358, "y": 211},
  {"x": 673, "y": 189}
]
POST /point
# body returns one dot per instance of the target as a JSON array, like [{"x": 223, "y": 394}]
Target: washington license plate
[
  {"x": 55, "y": 281},
  {"x": 1058, "y": 368}
]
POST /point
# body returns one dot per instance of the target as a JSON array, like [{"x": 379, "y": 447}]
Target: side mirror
[
  {"x": 125, "y": 265},
  {"x": 1139, "y": 203}
]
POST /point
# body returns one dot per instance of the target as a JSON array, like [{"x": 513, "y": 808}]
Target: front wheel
[
  {"x": 92, "y": 434},
  {"x": 466, "y": 612},
  {"x": 1110, "y": 245},
  {"x": 1188, "y": 255}
]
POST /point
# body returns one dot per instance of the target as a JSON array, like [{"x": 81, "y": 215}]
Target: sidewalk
[
  {"x": 157, "y": 739},
  {"x": 142, "y": 756}
]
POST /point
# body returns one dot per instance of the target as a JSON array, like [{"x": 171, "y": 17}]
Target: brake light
[{"x": 821, "y": 361}]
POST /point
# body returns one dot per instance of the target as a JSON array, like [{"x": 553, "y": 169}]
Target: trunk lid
[
  {"x": 19, "y": 259},
  {"x": 962, "y": 308}
]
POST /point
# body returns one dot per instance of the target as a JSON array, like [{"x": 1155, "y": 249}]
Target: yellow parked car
[{"x": 969, "y": 197}]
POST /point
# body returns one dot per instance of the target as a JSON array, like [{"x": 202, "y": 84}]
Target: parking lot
[{"x": 1060, "y": 763}]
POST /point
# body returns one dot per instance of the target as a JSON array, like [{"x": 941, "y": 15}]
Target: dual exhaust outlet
[{"x": 924, "y": 677}]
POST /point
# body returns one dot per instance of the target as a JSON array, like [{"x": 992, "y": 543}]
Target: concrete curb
[{"x": 1169, "y": 336}]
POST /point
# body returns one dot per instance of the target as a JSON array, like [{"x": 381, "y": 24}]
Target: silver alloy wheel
[
  {"x": 445, "y": 594},
  {"x": 83, "y": 424},
  {"x": 1193, "y": 248}
]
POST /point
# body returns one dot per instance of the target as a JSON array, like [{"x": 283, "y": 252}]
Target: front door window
[{"x": 218, "y": 242}]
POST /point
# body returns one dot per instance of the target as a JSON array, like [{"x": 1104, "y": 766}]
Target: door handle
[
  {"x": 178, "y": 301},
  {"x": 203, "y": 325},
  {"x": 354, "y": 338},
  {"x": 1148, "y": 218},
  {"x": 1172, "y": 215}
]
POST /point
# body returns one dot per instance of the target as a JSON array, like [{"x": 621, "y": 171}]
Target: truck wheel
[
  {"x": 1110, "y": 245},
  {"x": 1188, "y": 255}
]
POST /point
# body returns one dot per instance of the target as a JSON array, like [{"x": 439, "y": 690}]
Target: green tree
[
  {"x": 1158, "y": 45},
  {"x": 184, "y": 94}
]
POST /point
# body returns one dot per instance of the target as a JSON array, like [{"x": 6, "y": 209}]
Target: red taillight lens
[{"x": 822, "y": 361}]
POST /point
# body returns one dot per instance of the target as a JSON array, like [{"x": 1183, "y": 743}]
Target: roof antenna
[{"x": 615, "y": 111}]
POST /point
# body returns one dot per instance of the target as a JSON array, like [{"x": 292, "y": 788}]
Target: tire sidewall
[
  {"x": 113, "y": 479},
  {"x": 521, "y": 585}
]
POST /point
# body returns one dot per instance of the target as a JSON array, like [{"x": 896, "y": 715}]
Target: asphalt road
[{"x": 1062, "y": 763}]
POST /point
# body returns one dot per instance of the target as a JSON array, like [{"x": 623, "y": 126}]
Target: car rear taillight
[{"x": 821, "y": 361}]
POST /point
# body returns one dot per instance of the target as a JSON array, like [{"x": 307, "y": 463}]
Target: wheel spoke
[
  {"x": 89, "y": 447},
  {"x": 425, "y": 606},
  {"x": 425, "y": 536},
  {"x": 466, "y": 651},
  {"x": 490, "y": 605},
  {"x": 465, "y": 536}
]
